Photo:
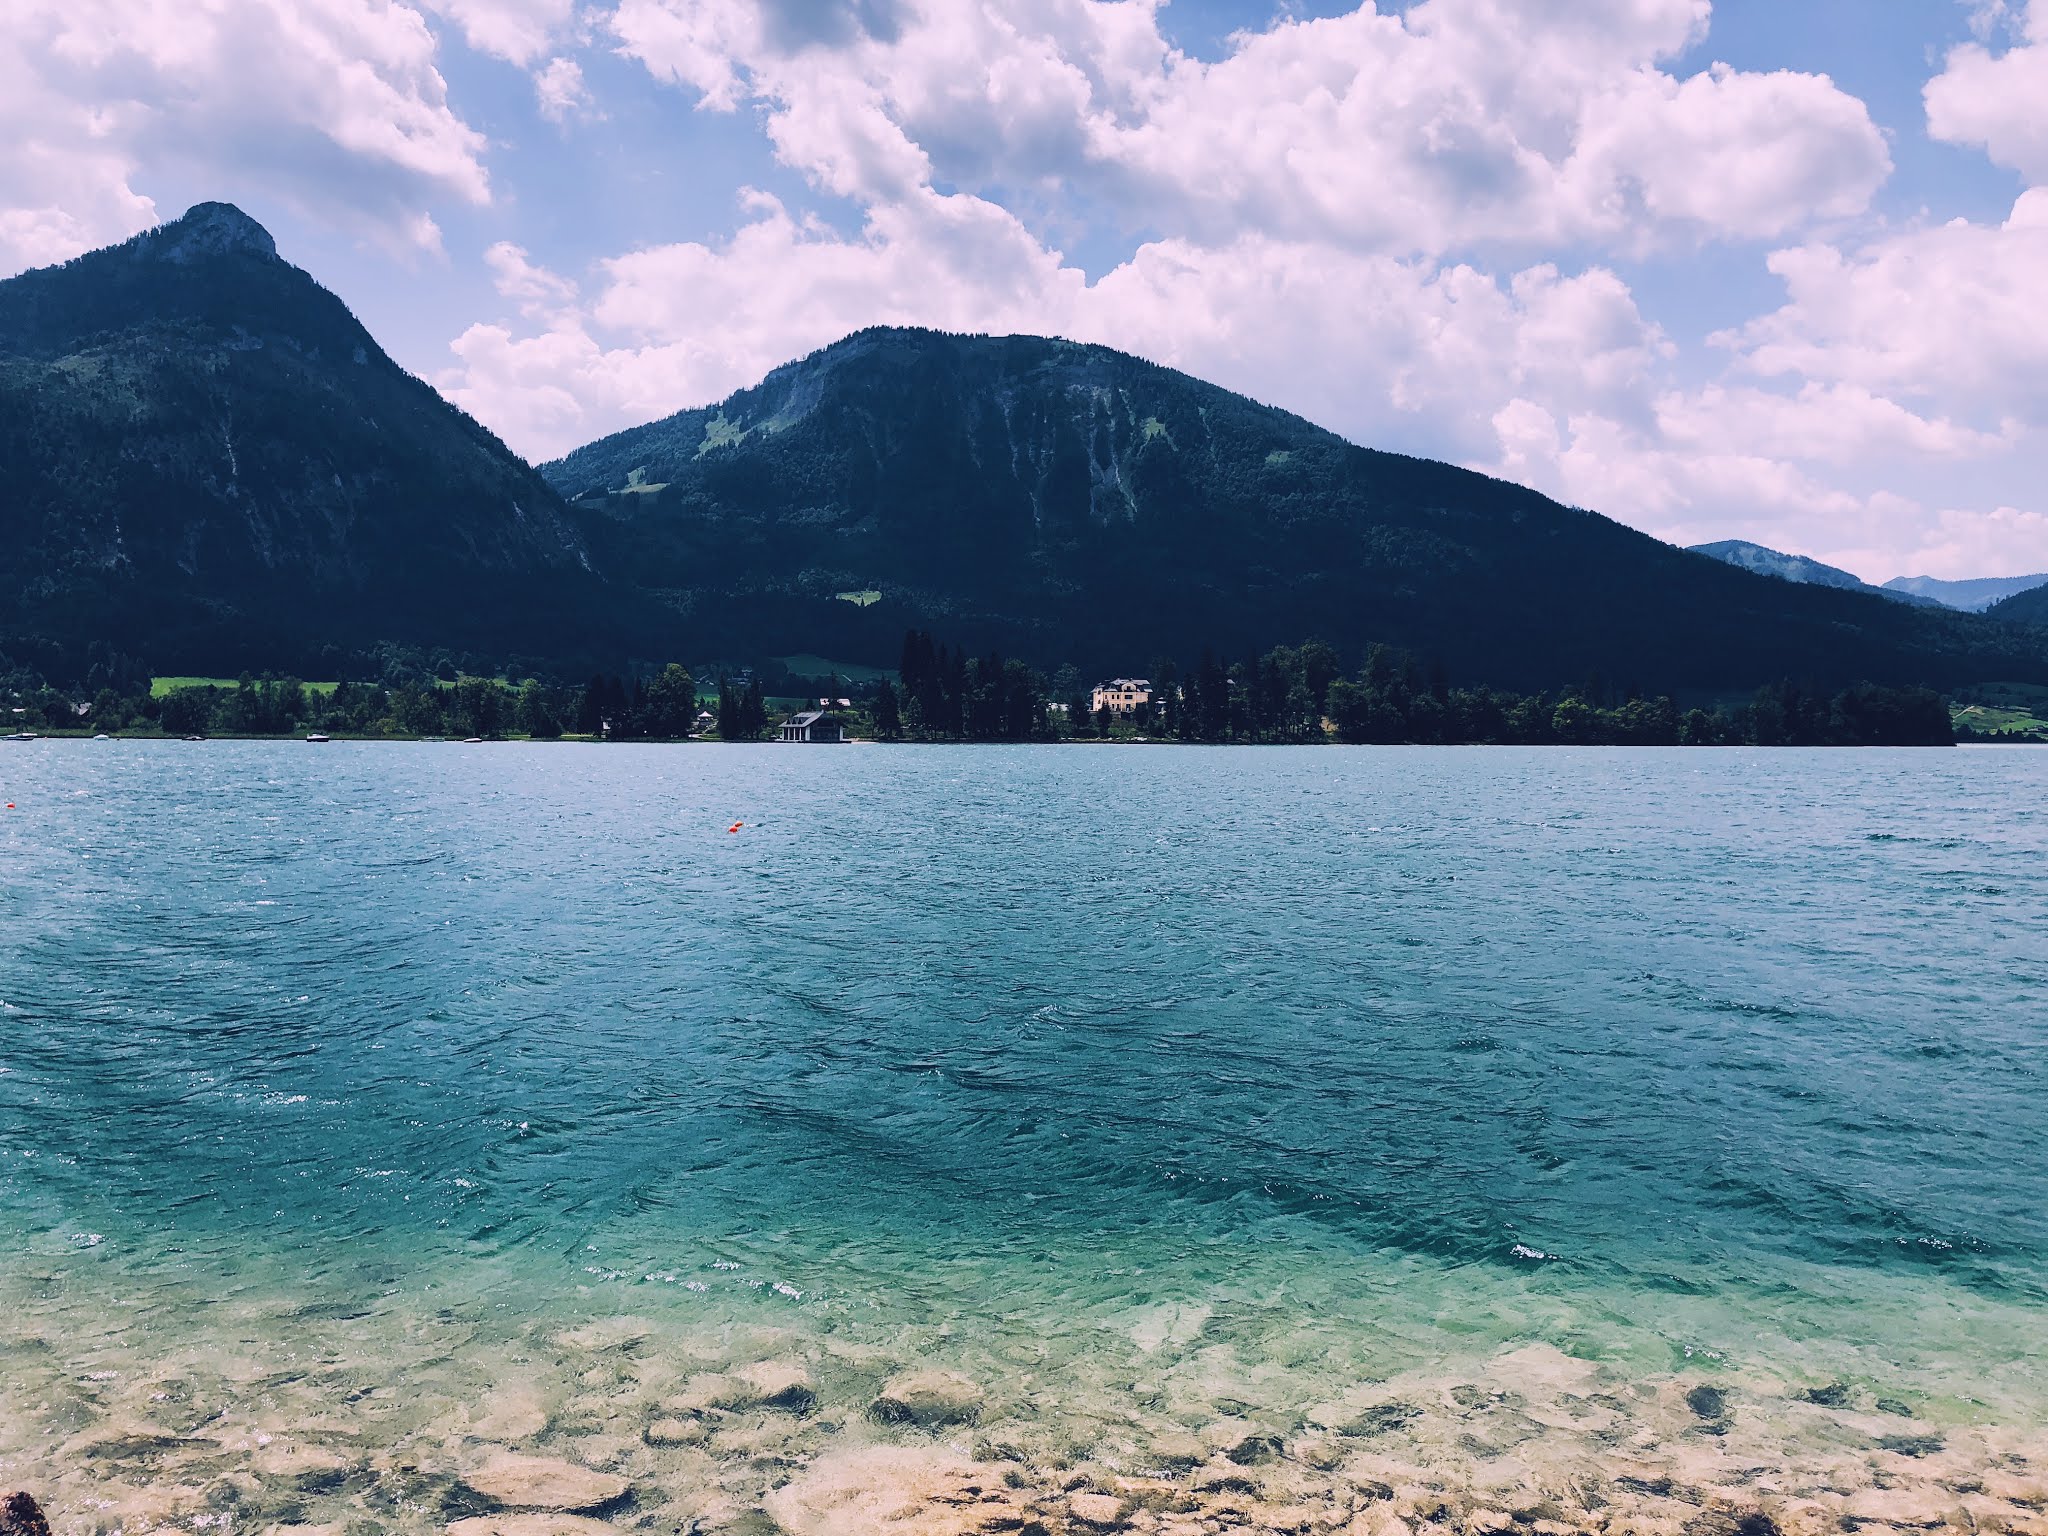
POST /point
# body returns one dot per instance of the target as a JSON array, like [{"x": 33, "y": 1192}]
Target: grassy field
[
  {"x": 159, "y": 687},
  {"x": 2003, "y": 707}
]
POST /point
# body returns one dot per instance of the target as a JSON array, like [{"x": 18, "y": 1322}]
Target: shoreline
[{"x": 334, "y": 739}]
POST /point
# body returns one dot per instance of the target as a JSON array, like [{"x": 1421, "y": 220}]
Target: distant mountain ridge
[
  {"x": 206, "y": 458},
  {"x": 1803, "y": 570},
  {"x": 1058, "y": 500},
  {"x": 1974, "y": 595}
]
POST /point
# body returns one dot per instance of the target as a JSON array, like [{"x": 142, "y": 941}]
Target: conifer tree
[{"x": 888, "y": 716}]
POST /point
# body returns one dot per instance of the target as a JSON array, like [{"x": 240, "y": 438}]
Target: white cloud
[
  {"x": 336, "y": 103},
  {"x": 515, "y": 276},
  {"x": 1833, "y": 424},
  {"x": 1504, "y": 122},
  {"x": 516, "y": 30},
  {"x": 558, "y": 86},
  {"x": 1998, "y": 102},
  {"x": 1713, "y": 151},
  {"x": 698, "y": 43},
  {"x": 1952, "y": 313}
]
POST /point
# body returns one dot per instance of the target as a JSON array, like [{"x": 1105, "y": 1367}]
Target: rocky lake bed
[{"x": 618, "y": 1424}]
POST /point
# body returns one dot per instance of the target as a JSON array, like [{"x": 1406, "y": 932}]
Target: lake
[{"x": 1216, "y": 1132}]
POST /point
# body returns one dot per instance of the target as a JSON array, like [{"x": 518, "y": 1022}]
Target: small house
[{"x": 812, "y": 725}]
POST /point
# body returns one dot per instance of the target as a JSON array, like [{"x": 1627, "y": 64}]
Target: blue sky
[{"x": 1745, "y": 269}]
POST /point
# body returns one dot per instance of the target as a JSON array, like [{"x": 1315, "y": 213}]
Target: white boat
[
  {"x": 101, "y": 736},
  {"x": 316, "y": 736}
]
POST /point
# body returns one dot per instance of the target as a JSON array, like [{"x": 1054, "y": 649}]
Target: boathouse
[{"x": 812, "y": 725}]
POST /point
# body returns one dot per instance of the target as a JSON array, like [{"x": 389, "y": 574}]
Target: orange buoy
[{"x": 733, "y": 828}]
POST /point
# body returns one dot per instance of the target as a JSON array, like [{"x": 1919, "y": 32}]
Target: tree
[
  {"x": 590, "y": 711},
  {"x": 888, "y": 715},
  {"x": 753, "y": 711},
  {"x": 538, "y": 712},
  {"x": 671, "y": 707},
  {"x": 481, "y": 706},
  {"x": 728, "y": 710},
  {"x": 417, "y": 711},
  {"x": 1573, "y": 721},
  {"x": 187, "y": 711}
]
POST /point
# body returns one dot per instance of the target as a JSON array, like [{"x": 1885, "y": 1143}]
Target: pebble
[{"x": 20, "y": 1515}]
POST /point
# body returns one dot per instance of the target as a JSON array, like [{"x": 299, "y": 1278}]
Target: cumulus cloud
[
  {"x": 1461, "y": 122},
  {"x": 1952, "y": 311},
  {"x": 280, "y": 93},
  {"x": 1995, "y": 101},
  {"x": 559, "y": 89},
  {"x": 516, "y": 30}
]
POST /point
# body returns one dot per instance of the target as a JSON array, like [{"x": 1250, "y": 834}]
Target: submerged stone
[
  {"x": 674, "y": 1432},
  {"x": 893, "y": 1491},
  {"x": 309, "y": 1468},
  {"x": 1101, "y": 1510},
  {"x": 1707, "y": 1402},
  {"x": 532, "y": 1523},
  {"x": 544, "y": 1483},
  {"x": 773, "y": 1384},
  {"x": 929, "y": 1399}
]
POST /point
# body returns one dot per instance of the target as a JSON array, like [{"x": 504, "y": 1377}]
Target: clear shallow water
[{"x": 1255, "y": 1073}]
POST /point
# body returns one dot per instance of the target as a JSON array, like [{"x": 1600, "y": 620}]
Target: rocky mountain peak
[{"x": 213, "y": 229}]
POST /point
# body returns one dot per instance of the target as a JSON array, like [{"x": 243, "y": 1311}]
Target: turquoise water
[{"x": 1256, "y": 1074}]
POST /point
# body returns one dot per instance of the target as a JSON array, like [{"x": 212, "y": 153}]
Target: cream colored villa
[{"x": 1122, "y": 695}]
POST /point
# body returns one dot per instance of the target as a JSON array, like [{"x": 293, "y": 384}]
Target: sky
[{"x": 1741, "y": 269}]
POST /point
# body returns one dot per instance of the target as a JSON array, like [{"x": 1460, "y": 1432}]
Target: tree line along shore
[{"x": 1290, "y": 695}]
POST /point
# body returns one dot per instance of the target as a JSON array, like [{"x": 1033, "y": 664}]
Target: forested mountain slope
[
  {"x": 205, "y": 460},
  {"x": 1063, "y": 501}
]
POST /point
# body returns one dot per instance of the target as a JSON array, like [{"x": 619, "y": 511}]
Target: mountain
[
  {"x": 2027, "y": 607},
  {"x": 1799, "y": 568},
  {"x": 208, "y": 462},
  {"x": 1972, "y": 596},
  {"x": 1067, "y": 502}
]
